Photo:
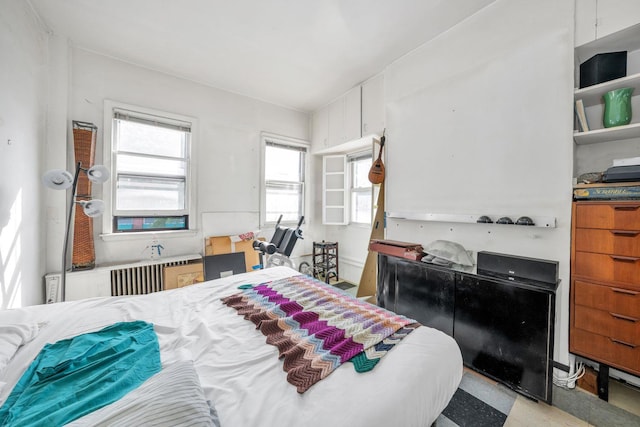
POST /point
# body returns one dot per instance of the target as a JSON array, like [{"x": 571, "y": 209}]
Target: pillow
[
  {"x": 12, "y": 337},
  {"x": 453, "y": 252},
  {"x": 172, "y": 397}
]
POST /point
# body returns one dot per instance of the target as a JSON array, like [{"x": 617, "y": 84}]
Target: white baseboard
[{"x": 352, "y": 262}]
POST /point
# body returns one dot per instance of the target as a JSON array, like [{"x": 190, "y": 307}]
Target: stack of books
[{"x": 628, "y": 190}]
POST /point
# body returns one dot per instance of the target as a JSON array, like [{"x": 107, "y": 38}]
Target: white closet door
[{"x": 335, "y": 197}]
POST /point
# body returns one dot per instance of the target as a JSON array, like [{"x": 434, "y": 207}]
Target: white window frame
[
  {"x": 108, "y": 233},
  {"x": 336, "y": 182},
  {"x": 266, "y": 137},
  {"x": 351, "y": 158}
]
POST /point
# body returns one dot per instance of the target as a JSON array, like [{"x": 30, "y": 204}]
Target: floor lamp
[{"x": 60, "y": 179}]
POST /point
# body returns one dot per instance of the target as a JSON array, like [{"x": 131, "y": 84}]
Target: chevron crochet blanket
[{"x": 316, "y": 327}]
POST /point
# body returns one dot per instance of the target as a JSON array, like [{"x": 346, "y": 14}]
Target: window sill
[
  {"x": 360, "y": 225},
  {"x": 351, "y": 225},
  {"x": 145, "y": 235}
]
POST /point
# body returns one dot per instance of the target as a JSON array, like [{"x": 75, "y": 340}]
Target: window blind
[{"x": 148, "y": 119}]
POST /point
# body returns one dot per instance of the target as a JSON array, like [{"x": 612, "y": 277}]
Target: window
[
  {"x": 361, "y": 195},
  {"x": 284, "y": 175},
  {"x": 150, "y": 166}
]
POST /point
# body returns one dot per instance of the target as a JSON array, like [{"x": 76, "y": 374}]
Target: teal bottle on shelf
[{"x": 617, "y": 107}]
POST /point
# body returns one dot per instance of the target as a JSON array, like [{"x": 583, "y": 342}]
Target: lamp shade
[
  {"x": 58, "y": 179},
  {"x": 92, "y": 208},
  {"x": 98, "y": 174}
]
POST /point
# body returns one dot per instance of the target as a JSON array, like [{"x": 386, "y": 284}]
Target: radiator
[{"x": 140, "y": 279}]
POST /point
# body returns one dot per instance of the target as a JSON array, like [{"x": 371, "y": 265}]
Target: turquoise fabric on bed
[{"x": 76, "y": 376}]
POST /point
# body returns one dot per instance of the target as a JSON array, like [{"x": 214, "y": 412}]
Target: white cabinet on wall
[
  {"x": 336, "y": 123},
  {"x": 373, "y": 106},
  {"x": 596, "y": 19},
  {"x": 320, "y": 129},
  {"x": 352, "y": 114},
  {"x": 345, "y": 118},
  {"x": 335, "y": 195},
  {"x": 357, "y": 113}
]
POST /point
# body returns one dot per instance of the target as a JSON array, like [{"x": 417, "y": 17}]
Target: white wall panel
[
  {"x": 23, "y": 89},
  {"x": 480, "y": 121},
  {"x": 227, "y": 148}
]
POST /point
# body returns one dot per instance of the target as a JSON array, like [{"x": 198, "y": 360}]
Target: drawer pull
[
  {"x": 624, "y": 291},
  {"x": 626, "y": 208},
  {"x": 626, "y": 344},
  {"x": 624, "y": 258},
  {"x": 625, "y": 233},
  {"x": 623, "y": 317}
]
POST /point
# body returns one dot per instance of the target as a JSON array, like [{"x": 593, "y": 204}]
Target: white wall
[
  {"x": 23, "y": 49},
  {"x": 55, "y": 202},
  {"x": 353, "y": 244},
  {"x": 227, "y": 145},
  {"x": 479, "y": 120}
]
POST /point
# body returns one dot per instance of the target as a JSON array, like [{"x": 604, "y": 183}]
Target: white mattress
[{"x": 243, "y": 376}]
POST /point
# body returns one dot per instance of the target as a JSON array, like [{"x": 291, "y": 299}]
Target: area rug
[
  {"x": 477, "y": 403},
  {"x": 344, "y": 285}
]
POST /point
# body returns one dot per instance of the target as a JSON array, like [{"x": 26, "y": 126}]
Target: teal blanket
[{"x": 76, "y": 376}]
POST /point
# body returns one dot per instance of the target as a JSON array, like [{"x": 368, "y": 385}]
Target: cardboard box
[{"x": 178, "y": 276}]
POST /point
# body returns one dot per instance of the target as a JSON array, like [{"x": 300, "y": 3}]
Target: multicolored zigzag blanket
[{"x": 316, "y": 328}]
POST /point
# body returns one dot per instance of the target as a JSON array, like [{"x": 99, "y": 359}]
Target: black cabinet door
[
  {"x": 424, "y": 293},
  {"x": 386, "y": 287},
  {"x": 503, "y": 331}
]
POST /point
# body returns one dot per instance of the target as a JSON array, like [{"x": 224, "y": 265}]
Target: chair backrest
[{"x": 285, "y": 238}]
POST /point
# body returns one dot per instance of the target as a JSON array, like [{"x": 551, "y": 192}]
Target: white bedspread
[{"x": 242, "y": 375}]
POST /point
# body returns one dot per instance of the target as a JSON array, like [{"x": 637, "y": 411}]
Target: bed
[{"x": 239, "y": 374}]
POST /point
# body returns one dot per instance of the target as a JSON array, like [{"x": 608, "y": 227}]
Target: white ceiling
[{"x": 296, "y": 53}]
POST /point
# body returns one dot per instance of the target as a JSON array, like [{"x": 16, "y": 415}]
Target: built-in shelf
[
  {"x": 617, "y": 133},
  {"x": 592, "y": 95},
  {"x": 539, "y": 221},
  {"x": 627, "y": 39}
]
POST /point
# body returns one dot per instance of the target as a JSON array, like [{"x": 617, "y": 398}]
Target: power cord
[{"x": 571, "y": 378}]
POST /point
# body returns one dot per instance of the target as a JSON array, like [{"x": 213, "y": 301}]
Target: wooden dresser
[{"x": 605, "y": 286}]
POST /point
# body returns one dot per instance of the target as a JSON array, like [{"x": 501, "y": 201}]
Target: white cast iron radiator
[
  {"x": 140, "y": 279},
  {"x": 136, "y": 278}
]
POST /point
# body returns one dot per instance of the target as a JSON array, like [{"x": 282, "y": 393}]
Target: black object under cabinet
[{"x": 504, "y": 328}]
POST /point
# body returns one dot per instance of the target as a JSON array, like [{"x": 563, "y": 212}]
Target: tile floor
[
  {"x": 625, "y": 396},
  {"x": 527, "y": 413}
]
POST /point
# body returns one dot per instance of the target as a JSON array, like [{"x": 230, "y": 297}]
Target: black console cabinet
[
  {"x": 504, "y": 328},
  {"x": 424, "y": 294}
]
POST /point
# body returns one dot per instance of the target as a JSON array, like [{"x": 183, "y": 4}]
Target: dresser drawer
[
  {"x": 608, "y": 268},
  {"x": 618, "y": 242},
  {"x": 616, "y": 300},
  {"x": 610, "y": 215},
  {"x": 608, "y": 323},
  {"x": 620, "y": 355}
]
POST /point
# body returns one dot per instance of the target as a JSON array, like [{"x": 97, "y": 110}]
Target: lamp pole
[{"x": 66, "y": 231}]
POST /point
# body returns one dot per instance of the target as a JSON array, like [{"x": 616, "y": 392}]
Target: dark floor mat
[{"x": 344, "y": 285}]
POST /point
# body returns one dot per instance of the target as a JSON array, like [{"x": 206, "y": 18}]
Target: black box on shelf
[
  {"x": 518, "y": 267},
  {"x": 602, "y": 68},
  {"x": 622, "y": 174}
]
